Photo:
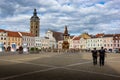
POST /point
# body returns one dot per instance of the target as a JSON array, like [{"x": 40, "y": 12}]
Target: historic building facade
[
  {"x": 76, "y": 42},
  {"x": 108, "y": 42},
  {"x": 54, "y": 37},
  {"x": 14, "y": 40},
  {"x": 3, "y": 38},
  {"x": 28, "y": 39},
  {"x": 116, "y": 42}
]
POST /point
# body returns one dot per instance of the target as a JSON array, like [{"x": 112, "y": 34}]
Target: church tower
[
  {"x": 66, "y": 35},
  {"x": 34, "y": 24},
  {"x": 65, "y": 44}
]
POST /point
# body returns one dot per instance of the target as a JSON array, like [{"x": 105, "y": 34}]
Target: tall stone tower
[
  {"x": 66, "y": 35},
  {"x": 34, "y": 24},
  {"x": 65, "y": 44}
]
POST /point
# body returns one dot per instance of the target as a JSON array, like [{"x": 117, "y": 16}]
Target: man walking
[
  {"x": 102, "y": 56},
  {"x": 94, "y": 55}
]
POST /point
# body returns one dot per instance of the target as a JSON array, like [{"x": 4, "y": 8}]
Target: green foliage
[
  {"x": 32, "y": 49},
  {"x": 36, "y": 49}
]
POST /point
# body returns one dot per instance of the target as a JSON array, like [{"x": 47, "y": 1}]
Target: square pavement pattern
[{"x": 58, "y": 66}]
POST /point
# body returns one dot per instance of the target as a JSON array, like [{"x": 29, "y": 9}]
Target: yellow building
[
  {"x": 14, "y": 38},
  {"x": 85, "y": 35}
]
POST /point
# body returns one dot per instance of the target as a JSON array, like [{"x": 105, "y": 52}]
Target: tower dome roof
[{"x": 34, "y": 17}]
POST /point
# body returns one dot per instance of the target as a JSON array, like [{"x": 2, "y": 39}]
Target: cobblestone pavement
[{"x": 57, "y": 66}]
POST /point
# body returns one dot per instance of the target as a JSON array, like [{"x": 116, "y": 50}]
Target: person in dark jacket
[
  {"x": 102, "y": 56},
  {"x": 20, "y": 50},
  {"x": 94, "y": 55}
]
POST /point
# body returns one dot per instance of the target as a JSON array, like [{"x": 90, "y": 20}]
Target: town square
[
  {"x": 59, "y": 40},
  {"x": 58, "y": 66}
]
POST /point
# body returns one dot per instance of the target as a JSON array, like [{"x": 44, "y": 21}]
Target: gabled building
[
  {"x": 82, "y": 43},
  {"x": 116, "y": 41},
  {"x": 108, "y": 42},
  {"x": 54, "y": 37},
  {"x": 83, "y": 40},
  {"x": 95, "y": 41},
  {"x": 60, "y": 44},
  {"x": 28, "y": 39},
  {"x": 71, "y": 42},
  {"x": 14, "y": 40},
  {"x": 3, "y": 40},
  {"x": 76, "y": 42},
  {"x": 3, "y": 37}
]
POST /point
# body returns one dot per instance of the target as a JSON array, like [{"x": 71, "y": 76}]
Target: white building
[
  {"x": 70, "y": 42},
  {"x": 38, "y": 42},
  {"x": 44, "y": 42},
  {"x": 3, "y": 37},
  {"x": 83, "y": 43},
  {"x": 27, "y": 39},
  {"x": 95, "y": 42},
  {"x": 60, "y": 44},
  {"x": 54, "y": 37}
]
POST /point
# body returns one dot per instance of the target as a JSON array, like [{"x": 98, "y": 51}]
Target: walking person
[
  {"x": 101, "y": 56},
  {"x": 20, "y": 50},
  {"x": 94, "y": 55}
]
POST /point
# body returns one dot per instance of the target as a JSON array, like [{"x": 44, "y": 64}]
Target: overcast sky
[{"x": 92, "y": 16}]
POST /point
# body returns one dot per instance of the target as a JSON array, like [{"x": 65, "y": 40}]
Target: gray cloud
[{"x": 92, "y": 16}]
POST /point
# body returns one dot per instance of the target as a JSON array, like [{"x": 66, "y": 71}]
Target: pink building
[
  {"x": 116, "y": 42},
  {"x": 108, "y": 42},
  {"x": 76, "y": 42}
]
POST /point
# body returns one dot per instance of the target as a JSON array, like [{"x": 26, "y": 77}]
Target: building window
[
  {"x": 118, "y": 45},
  {"x": 4, "y": 38},
  {"x": 108, "y": 45},
  {"x": 104, "y": 40},
  {"x": 114, "y": 41},
  {"x": 1, "y": 38},
  {"x": 114, "y": 44},
  {"x": 111, "y": 45},
  {"x": 105, "y": 45}
]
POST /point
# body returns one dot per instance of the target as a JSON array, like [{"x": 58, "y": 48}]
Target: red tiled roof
[
  {"x": 2, "y": 30},
  {"x": 77, "y": 38},
  {"x": 108, "y": 35},
  {"x": 99, "y": 35},
  {"x": 116, "y": 34},
  {"x": 13, "y": 34},
  {"x": 27, "y": 34}
]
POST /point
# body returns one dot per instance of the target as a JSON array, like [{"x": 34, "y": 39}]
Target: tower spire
[
  {"x": 66, "y": 31},
  {"x": 35, "y": 13}
]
